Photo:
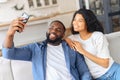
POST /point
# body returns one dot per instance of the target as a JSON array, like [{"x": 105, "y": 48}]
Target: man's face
[{"x": 55, "y": 33}]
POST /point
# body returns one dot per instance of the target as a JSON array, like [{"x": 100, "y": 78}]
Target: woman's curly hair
[{"x": 91, "y": 21}]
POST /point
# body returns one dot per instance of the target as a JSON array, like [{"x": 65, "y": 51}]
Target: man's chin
[{"x": 53, "y": 40}]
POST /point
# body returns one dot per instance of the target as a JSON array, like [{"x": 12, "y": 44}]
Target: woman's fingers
[
  {"x": 72, "y": 45},
  {"x": 76, "y": 45}
]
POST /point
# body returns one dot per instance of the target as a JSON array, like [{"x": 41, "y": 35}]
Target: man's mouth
[{"x": 52, "y": 36}]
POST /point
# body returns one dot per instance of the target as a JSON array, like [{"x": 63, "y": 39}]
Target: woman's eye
[{"x": 80, "y": 20}]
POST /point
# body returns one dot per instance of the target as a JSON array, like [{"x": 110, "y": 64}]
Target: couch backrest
[
  {"x": 5, "y": 69},
  {"x": 22, "y": 70},
  {"x": 15, "y": 70},
  {"x": 114, "y": 45}
]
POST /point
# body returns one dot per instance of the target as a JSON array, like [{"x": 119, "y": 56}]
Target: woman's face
[{"x": 79, "y": 23}]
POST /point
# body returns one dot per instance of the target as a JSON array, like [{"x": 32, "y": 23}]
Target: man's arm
[
  {"x": 82, "y": 68},
  {"x": 8, "y": 50},
  {"x": 16, "y": 25}
]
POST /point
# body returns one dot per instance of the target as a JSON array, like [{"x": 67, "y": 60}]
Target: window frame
[{"x": 34, "y": 4}]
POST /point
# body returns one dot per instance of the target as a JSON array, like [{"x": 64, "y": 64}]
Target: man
[{"x": 52, "y": 59}]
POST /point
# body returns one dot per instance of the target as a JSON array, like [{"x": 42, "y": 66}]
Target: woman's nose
[{"x": 75, "y": 23}]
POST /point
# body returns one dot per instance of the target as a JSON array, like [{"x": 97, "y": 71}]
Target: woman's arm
[
  {"x": 100, "y": 61},
  {"x": 69, "y": 42}
]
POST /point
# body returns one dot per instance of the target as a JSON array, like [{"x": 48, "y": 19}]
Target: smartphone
[{"x": 26, "y": 17}]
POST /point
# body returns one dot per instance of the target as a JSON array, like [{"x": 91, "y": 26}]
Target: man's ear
[{"x": 63, "y": 35}]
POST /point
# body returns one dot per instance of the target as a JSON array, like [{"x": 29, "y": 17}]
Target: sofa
[
  {"x": 15, "y": 70},
  {"x": 114, "y": 45},
  {"x": 22, "y": 70}
]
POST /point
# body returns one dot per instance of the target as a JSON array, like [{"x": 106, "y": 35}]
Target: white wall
[
  {"x": 35, "y": 30},
  {"x": 8, "y": 12}
]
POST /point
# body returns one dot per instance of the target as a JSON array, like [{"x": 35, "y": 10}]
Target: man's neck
[{"x": 54, "y": 44}]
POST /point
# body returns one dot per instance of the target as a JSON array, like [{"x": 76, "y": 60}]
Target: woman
[{"x": 88, "y": 39}]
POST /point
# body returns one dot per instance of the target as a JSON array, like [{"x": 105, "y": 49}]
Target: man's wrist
[{"x": 10, "y": 34}]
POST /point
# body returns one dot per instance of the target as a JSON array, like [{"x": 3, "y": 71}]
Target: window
[{"x": 41, "y": 3}]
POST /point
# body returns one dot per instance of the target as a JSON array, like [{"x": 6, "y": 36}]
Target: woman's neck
[{"x": 85, "y": 35}]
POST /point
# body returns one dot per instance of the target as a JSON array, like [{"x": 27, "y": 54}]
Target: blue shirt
[{"x": 36, "y": 52}]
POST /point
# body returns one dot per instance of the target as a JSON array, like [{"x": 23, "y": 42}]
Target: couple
[{"x": 53, "y": 59}]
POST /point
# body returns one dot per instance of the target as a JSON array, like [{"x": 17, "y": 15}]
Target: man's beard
[{"x": 57, "y": 40}]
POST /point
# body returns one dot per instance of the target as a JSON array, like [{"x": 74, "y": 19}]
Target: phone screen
[{"x": 26, "y": 17}]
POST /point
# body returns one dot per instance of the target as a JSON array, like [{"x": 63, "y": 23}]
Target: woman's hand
[
  {"x": 70, "y": 42},
  {"x": 78, "y": 47},
  {"x": 75, "y": 45}
]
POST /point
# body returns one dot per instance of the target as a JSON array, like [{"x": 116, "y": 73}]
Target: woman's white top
[{"x": 97, "y": 45}]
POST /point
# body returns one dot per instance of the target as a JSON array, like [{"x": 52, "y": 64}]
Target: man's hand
[{"x": 16, "y": 25}]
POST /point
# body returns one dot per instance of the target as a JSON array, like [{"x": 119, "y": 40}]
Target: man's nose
[{"x": 54, "y": 30}]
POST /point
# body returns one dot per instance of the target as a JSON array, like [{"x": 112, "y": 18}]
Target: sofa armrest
[{"x": 22, "y": 70}]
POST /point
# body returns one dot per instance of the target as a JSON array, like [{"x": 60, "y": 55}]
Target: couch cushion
[
  {"x": 114, "y": 45},
  {"x": 5, "y": 69},
  {"x": 22, "y": 70}
]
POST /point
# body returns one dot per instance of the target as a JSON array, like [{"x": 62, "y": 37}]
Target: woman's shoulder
[
  {"x": 97, "y": 34},
  {"x": 99, "y": 37},
  {"x": 73, "y": 36}
]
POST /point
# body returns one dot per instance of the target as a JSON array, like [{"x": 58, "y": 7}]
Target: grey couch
[{"x": 22, "y": 70}]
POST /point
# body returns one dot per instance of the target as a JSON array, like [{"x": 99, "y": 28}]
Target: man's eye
[
  {"x": 50, "y": 28},
  {"x": 59, "y": 30}
]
